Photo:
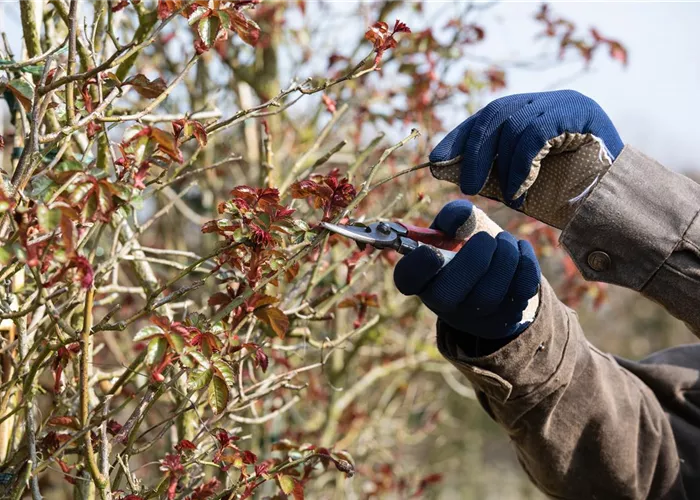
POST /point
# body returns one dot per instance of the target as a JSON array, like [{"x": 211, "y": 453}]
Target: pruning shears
[{"x": 401, "y": 237}]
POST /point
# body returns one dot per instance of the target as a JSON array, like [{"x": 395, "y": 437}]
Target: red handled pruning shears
[{"x": 401, "y": 237}]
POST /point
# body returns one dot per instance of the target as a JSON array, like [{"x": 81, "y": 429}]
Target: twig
[
  {"x": 364, "y": 154},
  {"x": 30, "y": 425},
  {"x": 402, "y": 172},
  {"x": 155, "y": 102},
  {"x": 366, "y": 185},
  {"x": 267, "y": 417},
  {"x": 85, "y": 354},
  {"x": 32, "y": 61},
  {"x": 363, "y": 384},
  {"x": 66, "y": 131},
  {"x": 301, "y": 162},
  {"x": 24, "y": 166},
  {"x": 72, "y": 56}
]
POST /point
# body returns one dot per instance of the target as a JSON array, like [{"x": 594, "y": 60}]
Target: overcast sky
[{"x": 654, "y": 102}]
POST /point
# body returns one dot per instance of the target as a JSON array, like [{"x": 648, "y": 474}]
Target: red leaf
[
  {"x": 275, "y": 318},
  {"x": 618, "y": 52},
  {"x": 185, "y": 445},
  {"x": 85, "y": 272},
  {"x": 329, "y": 103},
  {"x": 425, "y": 482},
  {"x": 401, "y": 27},
  {"x": 261, "y": 358},
  {"x": 150, "y": 89},
  {"x": 249, "y": 457},
  {"x": 382, "y": 40},
  {"x": 262, "y": 468},
  {"x": 172, "y": 464},
  {"x": 496, "y": 78},
  {"x": 377, "y": 33},
  {"x": 66, "y": 471},
  {"x": 205, "y": 490},
  {"x": 65, "y": 421},
  {"x": 167, "y": 8},
  {"x": 121, "y": 5},
  {"x": 247, "y": 29},
  {"x": 113, "y": 427}
]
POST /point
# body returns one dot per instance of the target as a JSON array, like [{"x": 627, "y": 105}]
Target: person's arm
[
  {"x": 583, "y": 427},
  {"x": 640, "y": 228}
]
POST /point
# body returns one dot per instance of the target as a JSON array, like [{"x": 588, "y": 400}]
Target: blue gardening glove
[
  {"x": 539, "y": 153},
  {"x": 488, "y": 286}
]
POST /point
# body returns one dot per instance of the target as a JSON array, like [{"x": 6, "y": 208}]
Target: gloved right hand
[{"x": 486, "y": 288}]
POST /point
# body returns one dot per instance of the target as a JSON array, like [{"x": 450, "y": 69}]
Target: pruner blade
[{"x": 397, "y": 236}]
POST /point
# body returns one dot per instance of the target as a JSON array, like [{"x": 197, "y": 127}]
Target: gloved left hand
[
  {"x": 486, "y": 288},
  {"x": 540, "y": 153}
]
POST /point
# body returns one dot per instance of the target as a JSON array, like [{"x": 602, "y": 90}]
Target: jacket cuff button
[{"x": 599, "y": 261}]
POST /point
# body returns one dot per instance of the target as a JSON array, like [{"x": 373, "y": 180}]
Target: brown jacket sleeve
[
  {"x": 640, "y": 228},
  {"x": 585, "y": 425}
]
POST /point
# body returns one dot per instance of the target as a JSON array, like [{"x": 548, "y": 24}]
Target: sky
[{"x": 654, "y": 102}]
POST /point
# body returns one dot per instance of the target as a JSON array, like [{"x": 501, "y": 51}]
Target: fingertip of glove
[
  {"x": 415, "y": 270},
  {"x": 452, "y": 216}
]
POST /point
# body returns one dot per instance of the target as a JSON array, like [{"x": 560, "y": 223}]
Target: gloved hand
[
  {"x": 539, "y": 153},
  {"x": 486, "y": 288}
]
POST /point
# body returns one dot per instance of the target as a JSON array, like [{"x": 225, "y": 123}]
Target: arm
[
  {"x": 543, "y": 153},
  {"x": 583, "y": 427},
  {"x": 646, "y": 220}
]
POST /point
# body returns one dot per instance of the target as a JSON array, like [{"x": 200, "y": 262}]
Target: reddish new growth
[
  {"x": 254, "y": 227},
  {"x": 173, "y": 468},
  {"x": 327, "y": 192},
  {"x": 563, "y": 29},
  {"x": 360, "y": 302},
  {"x": 383, "y": 39},
  {"x": 144, "y": 148}
]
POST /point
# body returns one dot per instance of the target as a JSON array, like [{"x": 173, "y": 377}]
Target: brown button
[{"x": 599, "y": 261}]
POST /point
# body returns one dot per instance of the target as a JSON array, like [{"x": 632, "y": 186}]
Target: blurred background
[{"x": 424, "y": 427}]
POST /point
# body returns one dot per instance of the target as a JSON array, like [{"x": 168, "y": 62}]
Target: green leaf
[
  {"x": 197, "y": 15},
  {"x": 80, "y": 192},
  {"x": 148, "y": 332},
  {"x": 177, "y": 342},
  {"x": 209, "y": 29},
  {"x": 225, "y": 371},
  {"x": 41, "y": 188},
  {"x": 156, "y": 350},
  {"x": 218, "y": 394},
  {"x": 199, "y": 358},
  {"x": 23, "y": 91},
  {"x": 198, "y": 379},
  {"x": 5, "y": 255},
  {"x": 286, "y": 483},
  {"x": 69, "y": 166},
  {"x": 48, "y": 218},
  {"x": 225, "y": 19}
]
